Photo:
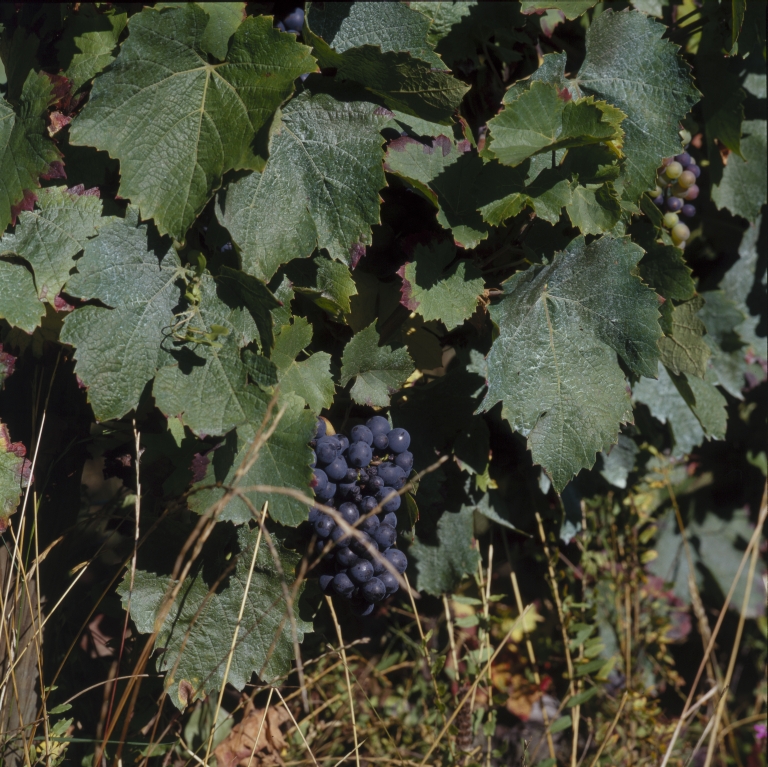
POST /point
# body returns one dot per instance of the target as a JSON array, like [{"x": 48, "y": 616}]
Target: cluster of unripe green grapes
[{"x": 675, "y": 191}]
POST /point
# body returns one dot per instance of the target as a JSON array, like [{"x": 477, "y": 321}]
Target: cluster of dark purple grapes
[
  {"x": 676, "y": 188},
  {"x": 355, "y": 477},
  {"x": 293, "y": 22}
]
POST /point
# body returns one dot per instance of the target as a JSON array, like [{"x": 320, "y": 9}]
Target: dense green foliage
[{"x": 216, "y": 231}]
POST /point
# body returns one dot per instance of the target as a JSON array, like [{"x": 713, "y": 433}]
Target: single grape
[
  {"x": 352, "y": 474},
  {"x": 312, "y": 516},
  {"x": 327, "y": 493},
  {"x": 346, "y": 557},
  {"x": 659, "y": 201},
  {"x": 378, "y": 564},
  {"x": 680, "y": 233},
  {"x": 362, "y": 608},
  {"x": 692, "y": 193},
  {"x": 325, "y": 583},
  {"x": 687, "y": 179},
  {"x": 362, "y": 433},
  {"x": 361, "y": 572},
  {"x": 657, "y": 191},
  {"x": 374, "y": 590},
  {"x": 391, "y": 475},
  {"x": 314, "y": 460},
  {"x": 684, "y": 158},
  {"x": 685, "y": 135},
  {"x": 343, "y": 442},
  {"x": 378, "y": 425},
  {"x": 294, "y": 20},
  {"x": 670, "y": 219},
  {"x": 405, "y": 461},
  {"x": 695, "y": 169},
  {"x": 399, "y": 440},
  {"x": 674, "y": 204},
  {"x": 689, "y": 211},
  {"x": 319, "y": 480},
  {"x": 323, "y": 525},
  {"x": 280, "y": 26},
  {"x": 327, "y": 449},
  {"x": 375, "y": 484},
  {"x": 343, "y": 585},
  {"x": 369, "y": 525},
  {"x": 368, "y": 503},
  {"x": 359, "y": 454},
  {"x": 397, "y": 558},
  {"x": 360, "y": 544},
  {"x": 385, "y": 536},
  {"x": 393, "y": 504},
  {"x": 339, "y": 537},
  {"x": 349, "y": 513},
  {"x": 390, "y": 519},
  {"x": 389, "y": 581},
  {"x": 336, "y": 469},
  {"x": 674, "y": 169},
  {"x": 380, "y": 441},
  {"x": 321, "y": 428}
]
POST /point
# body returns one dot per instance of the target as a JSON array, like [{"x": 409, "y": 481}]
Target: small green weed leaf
[
  {"x": 89, "y": 42},
  {"x": 446, "y": 556},
  {"x": 26, "y": 150},
  {"x": 283, "y": 462},
  {"x": 320, "y": 187},
  {"x": 540, "y": 119},
  {"x": 563, "y": 723},
  {"x": 743, "y": 188},
  {"x": 51, "y": 235},
  {"x": 560, "y": 328},
  {"x": 310, "y": 378},
  {"x": 197, "y": 632},
  {"x": 437, "y": 294},
  {"x": 629, "y": 65},
  {"x": 378, "y": 371},
  {"x": 178, "y": 123},
  {"x": 19, "y": 304},
  {"x": 15, "y": 472},
  {"x": 118, "y": 349},
  {"x": 684, "y": 350}
]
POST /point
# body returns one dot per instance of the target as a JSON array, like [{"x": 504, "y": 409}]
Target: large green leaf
[
  {"x": 15, "y": 472},
  {"x": 310, "y": 378},
  {"x": 118, "y": 349},
  {"x": 197, "y": 633},
  {"x": 684, "y": 349},
  {"x": 694, "y": 409},
  {"x": 743, "y": 188},
  {"x": 383, "y": 47},
  {"x": 178, "y": 123},
  {"x": 19, "y": 304},
  {"x": 553, "y": 364},
  {"x": 283, "y": 461},
  {"x": 722, "y": 318},
  {"x": 329, "y": 283},
  {"x": 629, "y": 65},
  {"x": 26, "y": 150},
  {"x": 320, "y": 187},
  {"x": 50, "y": 236},
  {"x": 542, "y": 118},
  {"x": 378, "y": 371},
  {"x": 223, "y": 21},
  {"x": 446, "y": 556},
  {"x": 664, "y": 269},
  {"x": 437, "y": 294},
  {"x": 89, "y": 42}
]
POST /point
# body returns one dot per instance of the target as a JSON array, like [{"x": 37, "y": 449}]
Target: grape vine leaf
[
  {"x": 178, "y": 123},
  {"x": 329, "y": 283},
  {"x": 19, "y": 304},
  {"x": 51, "y": 235},
  {"x": 15, "y": 475},
  {"x": 561, "y": 326},
  {"x": 721, "y": 318},
  {"x": 378, "y": 370},
  {"x": 7, "y": 366},
  {"x": 320, "y": 187},
  {"x": 88, "y": 43},
  {"x": 383, "y": 47},
  {"x": 26, "y": 150},
  {"x": 198, "y": 631},
  {"x": 619, "y": 461},
  {"x": 542, "y": 118},
  {"x": 437, "y": 294},
  {"x": 663, "y": 267},
  {"x": 311, "y": 378},
  {"x": 629, "y": 65},
  {"x": 684, "y": 349},
  {"x": 283, "y": 462},
  {"x": 223, "y": 21},
  {"x": 571, "y": 8},
  {"x": 118, "y": 349},
  {"x": 743, "y": 188},
  {"x": 694, "y": 408},
  {"x": 446, "y": 556}
]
